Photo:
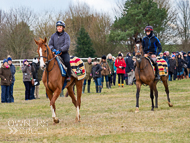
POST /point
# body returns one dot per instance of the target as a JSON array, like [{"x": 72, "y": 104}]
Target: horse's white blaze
[
  {"x": 138, "y": 46},
  {"x": 53, "y": 112},
  {"x": 41, "y": 58},
  {"x": 78, "y": 112}
]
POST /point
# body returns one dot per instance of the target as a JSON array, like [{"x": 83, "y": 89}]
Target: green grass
[{"x": 106, "y": 117}]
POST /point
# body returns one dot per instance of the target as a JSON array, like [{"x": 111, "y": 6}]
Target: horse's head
[
  {"x": 138, "y": 49},
  {"x": 43, "y": 51}
]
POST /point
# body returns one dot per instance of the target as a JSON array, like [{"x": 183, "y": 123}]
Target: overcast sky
[{"x": 57, "y": 5}]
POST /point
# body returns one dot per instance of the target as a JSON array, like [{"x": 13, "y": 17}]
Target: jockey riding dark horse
[
  {"x": 60, "y": 42},
  {"x": 152, "y": 48}
]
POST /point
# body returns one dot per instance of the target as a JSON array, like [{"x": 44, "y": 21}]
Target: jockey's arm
[
  {"x": 158, "y": 44},
  {"x": 65, "y": 48}
]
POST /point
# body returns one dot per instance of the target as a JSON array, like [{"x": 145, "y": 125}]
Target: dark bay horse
[
  {"x": 144, "y": 74},
  {"x": 53, "y": 80}
]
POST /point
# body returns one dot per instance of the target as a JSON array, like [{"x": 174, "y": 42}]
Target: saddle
[
  {"x": 162, "y": 66},
  {"x": 77, "y": 67}
]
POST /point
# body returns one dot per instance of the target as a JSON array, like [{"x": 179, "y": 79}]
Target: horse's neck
[{"x": 50, "y": 57}]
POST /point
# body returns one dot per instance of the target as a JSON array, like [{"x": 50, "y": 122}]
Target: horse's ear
[
  {"x": 135, "y": 40},
  {"x": 45, "y": 40},
  {"x": 141, "y": 40},
  {"x": 36, "y": 42}
]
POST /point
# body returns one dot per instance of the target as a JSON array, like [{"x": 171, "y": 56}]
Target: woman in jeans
[
  {"x": 27, "y": 70},
  {"x": 120, "y": 64},
  {"x": 96, "y": 74}
]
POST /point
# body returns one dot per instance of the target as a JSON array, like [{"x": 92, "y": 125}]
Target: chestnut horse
[
  {"x": 144, "y": 74},
  {"x": 53, "y": 80}
]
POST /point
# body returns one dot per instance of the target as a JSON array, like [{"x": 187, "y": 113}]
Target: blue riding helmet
[{"x": 60, "y": 23}]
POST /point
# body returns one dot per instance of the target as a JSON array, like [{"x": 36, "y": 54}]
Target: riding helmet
[
  {"x": 60, "y": 23},
  {"x": 148, "y": 28}
]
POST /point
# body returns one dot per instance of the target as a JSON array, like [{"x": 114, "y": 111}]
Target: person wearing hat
[
  {"x": 27, "y": 70},
  {"x": 13, "y": 71},
  {"x": 179, "y": 64},
  {"x": 6, "y": 80},
  {"x": 60, "y": 43},
  {"x": 161, "y": 55},
  {"x": 105, "y": 71},
  {"x": 188, "y": 65},
  {"x": 120, "y": 65},
  {"x": 96, "y": 74},
  {"x": 152, "y": 47},
  {"x": 172, "y": 67},
  {"x": 88, "y": 77}
]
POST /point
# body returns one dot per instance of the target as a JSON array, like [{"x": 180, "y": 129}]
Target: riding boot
[
  {"x": 83, "y": 88},
  {"x": 157, "y": 72},
  {"x": 88, "y": 88},
  {"x": 100, "y": 88},
  {"x": 102, "y": 84},
  {"x": 96, "y": 89}
]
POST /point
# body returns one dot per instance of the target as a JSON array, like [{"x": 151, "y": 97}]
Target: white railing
[{"x": 19, "y": 62}]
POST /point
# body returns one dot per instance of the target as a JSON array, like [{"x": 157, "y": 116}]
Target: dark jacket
[
  {"x": 188, "y": 59},
  {"x": 151, "y": 44},
  {"x": 36, "y": 68},
  {"x": 166, "y": 58},
  {"x": 13, "y": 71},
  {"x": 60, "y": 41},
  {"x": 110, "y": 63},
  {"x": 181, "y": 62},
  {"x": 129, "y": 64},
  {"x": 96, "y": 68},
  {"x": 5, "y": 73},
  {"x": 105, "y": 65},
  {"x": 27, "y": 72},
  {"x": 172, "y": 65}
]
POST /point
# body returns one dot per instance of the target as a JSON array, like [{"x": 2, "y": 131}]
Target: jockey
[
  {"x": 60, "y": 42},
  {"x": 152, "y": 47}
]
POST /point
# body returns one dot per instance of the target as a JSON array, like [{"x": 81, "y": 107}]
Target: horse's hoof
[
  {"x": 152, "y": 109},
  {"x": 155, "y": 106},
  {"x": 170, "y": 104},
  {"x": 137, "y": 110},
  {"x": 56, "y": 120}
]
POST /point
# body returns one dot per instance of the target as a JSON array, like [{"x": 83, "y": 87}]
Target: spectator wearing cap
[
  {"x": 161, "y": 55},
  {"x": 105, "y": 71},
  {"x": 188, "y": 65},
  {"x": 172, "y": 67},
  {"x": 13, "y": 71},
  {"x": 6, "y": 80},
  {"x": 120, "y": 64},
  {"x": 27, "y": 70},
  {"x": 96, "y": 74}
]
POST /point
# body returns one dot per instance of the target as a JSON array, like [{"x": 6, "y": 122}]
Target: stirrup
[{"x": 68, "y": 79}]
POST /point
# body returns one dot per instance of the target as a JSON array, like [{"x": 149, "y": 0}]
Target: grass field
[{"x": 106, "y": 117}]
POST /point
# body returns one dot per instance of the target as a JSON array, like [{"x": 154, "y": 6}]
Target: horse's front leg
[
  {"x": 52, "y": 104},
  {"x": 138, "y": 85}
]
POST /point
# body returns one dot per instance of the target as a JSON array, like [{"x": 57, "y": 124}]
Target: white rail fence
[{"x": 19, "y": 62}]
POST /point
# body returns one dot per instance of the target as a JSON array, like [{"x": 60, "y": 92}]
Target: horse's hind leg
[
  {"x": 79, "y": 84},
  {"x": 165, "y": 82},
  {"x": 156, "y": 95}
]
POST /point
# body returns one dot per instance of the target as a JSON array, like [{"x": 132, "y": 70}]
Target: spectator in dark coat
[
  {"x": 27, "y": 70},
  {"x": 6, "y": 80},
  {"x": 13, "y": 71},
  {"x": 185, "y": 65},
  {"x": 88, "y": 77},
  {"x": 188, "y": 65},
  {"x": 172, "y": 67},
  {"x": 111, "y": 65},
  {"x": 39, "y": 78},
  {"x": 179, "y": 63},
  {"x": 129, "y": 69},
  {"x": 96, "y": 74}
]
